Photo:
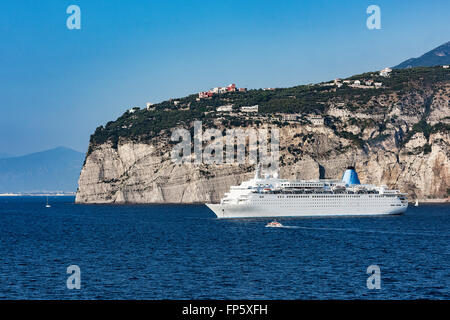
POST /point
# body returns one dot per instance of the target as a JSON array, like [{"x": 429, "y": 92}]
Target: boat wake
[{"x": 361, "y": 230}]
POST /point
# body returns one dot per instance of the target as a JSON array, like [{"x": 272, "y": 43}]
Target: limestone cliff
[{"x": 395, "y": 137}]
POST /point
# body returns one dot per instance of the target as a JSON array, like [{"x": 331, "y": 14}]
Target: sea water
[{"x": 184, "y": 252}]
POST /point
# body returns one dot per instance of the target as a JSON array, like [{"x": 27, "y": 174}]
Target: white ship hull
[{"x": 255, "y": 211}]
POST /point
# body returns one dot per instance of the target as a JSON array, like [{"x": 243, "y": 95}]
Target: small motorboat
[
  {"x": 274, "y": 224},
  {"x": 417, "y": 203}
]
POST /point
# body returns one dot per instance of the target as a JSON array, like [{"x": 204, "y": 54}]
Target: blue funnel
[{"x": 350, "y": 176}]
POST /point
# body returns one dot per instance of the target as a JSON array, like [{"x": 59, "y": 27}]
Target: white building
[
  {"x": 225, "y": 108},
  {"x": 316, "y": 120},
  {"x": 445, "y": 67},
  {"x": 377, "y": 84},
  {"x": 357, "y": 82},
  {"x": 250, "y": 108},
  {"x": 290, "y": 117},
  {"x": 385, "y": 72}
]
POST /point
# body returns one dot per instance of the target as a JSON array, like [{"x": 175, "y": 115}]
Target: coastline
[
  {"x": 68, "y": 194},
  {"x": 430, "y": 201},
  {"x": 411, "y": 203}
]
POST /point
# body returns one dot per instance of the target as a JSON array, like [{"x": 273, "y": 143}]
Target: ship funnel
[{"x": 350, "y": 176}]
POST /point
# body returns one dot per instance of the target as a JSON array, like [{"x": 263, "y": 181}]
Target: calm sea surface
[{"x": 183, "y": 252}]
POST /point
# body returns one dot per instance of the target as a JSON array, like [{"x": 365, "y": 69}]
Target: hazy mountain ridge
[
  {"x": 47, "y": 171},
  {"x": 437, "y": 57}
]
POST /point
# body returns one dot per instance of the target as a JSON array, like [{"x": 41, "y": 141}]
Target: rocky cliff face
[
  {"x": 145, "y": 173},
  {"x": 400, "y": 139}
]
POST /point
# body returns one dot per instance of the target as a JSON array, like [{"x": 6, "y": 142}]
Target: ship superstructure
[{"x": 270, "y": 196}]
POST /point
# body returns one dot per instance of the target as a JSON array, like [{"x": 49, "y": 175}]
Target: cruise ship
[{"x": 269, "y": 196}]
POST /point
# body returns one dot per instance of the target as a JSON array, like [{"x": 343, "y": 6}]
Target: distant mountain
[
  {"x": 4, "y": 155},
  {"x": 436, "y": 57},
  {"x": 51, "y": 170}
]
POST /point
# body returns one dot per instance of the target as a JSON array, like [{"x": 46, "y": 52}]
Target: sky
[{"x": 57, "y": 85}]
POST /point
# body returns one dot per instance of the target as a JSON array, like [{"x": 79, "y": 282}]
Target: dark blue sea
[{"x": 183, "y": 252}]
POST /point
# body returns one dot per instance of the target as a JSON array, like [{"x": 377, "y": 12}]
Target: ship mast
[{"x": 258, "y": 171}]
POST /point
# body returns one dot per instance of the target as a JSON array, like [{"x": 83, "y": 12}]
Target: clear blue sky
[{"x": 58, "y": 85}]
